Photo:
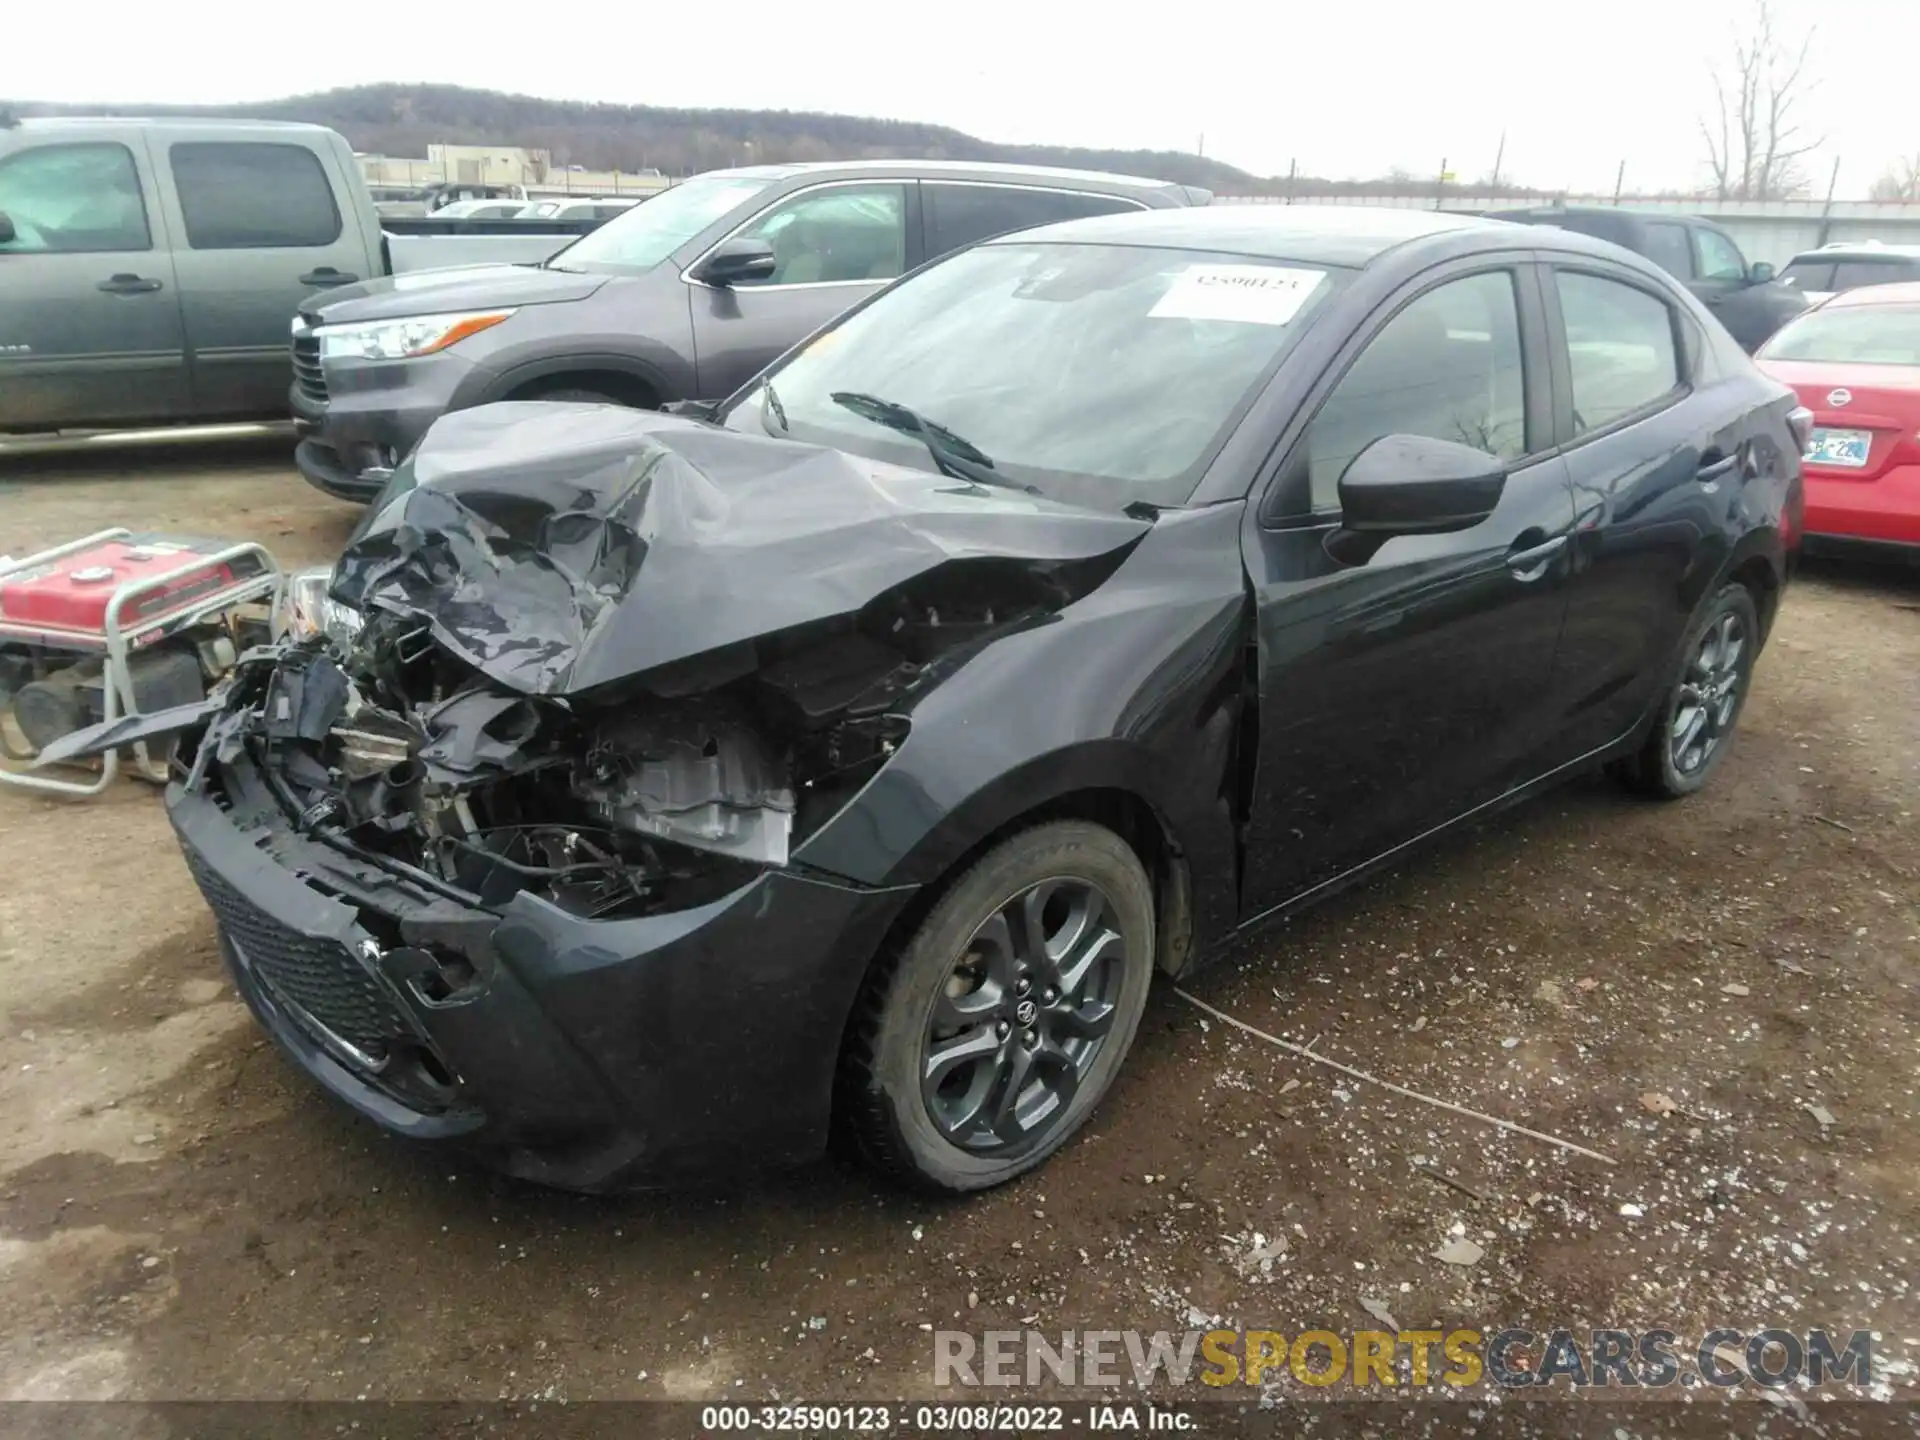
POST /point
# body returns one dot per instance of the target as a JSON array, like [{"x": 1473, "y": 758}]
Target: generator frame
[{"x": 117, "y": 643}]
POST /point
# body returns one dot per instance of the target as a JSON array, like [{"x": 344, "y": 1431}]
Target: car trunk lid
[{"x": 1883, "y": 401}]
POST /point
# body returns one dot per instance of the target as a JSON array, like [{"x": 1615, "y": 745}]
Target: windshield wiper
[{"x": 955, "y": 457}]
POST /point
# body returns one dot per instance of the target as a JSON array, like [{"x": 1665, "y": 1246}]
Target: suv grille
[
  {"x": 307, "y": 373},
  {"x": 320, "y": 978}
]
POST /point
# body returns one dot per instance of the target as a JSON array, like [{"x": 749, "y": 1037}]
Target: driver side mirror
[
  {"x": 1414, "y": 485},
  {"x": 6, "y": 228},
  {"x": 737, "y": 259},
  {"x": 1759, "y": 273}
]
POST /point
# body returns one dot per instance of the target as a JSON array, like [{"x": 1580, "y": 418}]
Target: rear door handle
[
  {"x": 128, "y": 285},
  {"x": 1531, "y": 563},
  {"x": 325, "y": 276},
  {"x": 1716, "y": 469}
]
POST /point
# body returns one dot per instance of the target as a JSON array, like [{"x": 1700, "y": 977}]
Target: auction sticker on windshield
[{"x": 1252, "y": 294}]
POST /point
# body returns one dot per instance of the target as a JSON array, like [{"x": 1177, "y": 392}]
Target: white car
[
  {"x": 587, "y": 208},
  {"x": 480, "y": 210},
  {"x": 1849, "y": 264}
]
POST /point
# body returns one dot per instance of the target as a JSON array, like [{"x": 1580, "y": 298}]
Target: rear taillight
[{"x": 1800, "y": 422}]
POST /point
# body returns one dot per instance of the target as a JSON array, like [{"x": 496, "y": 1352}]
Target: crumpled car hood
[{"x": 560, "y": 547}]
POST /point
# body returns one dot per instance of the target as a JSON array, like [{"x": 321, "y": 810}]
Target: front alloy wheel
[
  {"x": 1005, "y": 1019},
  {"x": 1023, "y": 1016}
]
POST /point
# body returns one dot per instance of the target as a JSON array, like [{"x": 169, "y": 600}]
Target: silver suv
[{"x": 685, "y": 296}]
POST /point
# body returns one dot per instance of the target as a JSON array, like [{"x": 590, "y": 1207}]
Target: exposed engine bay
[
  {"x": 659, "y": 795},
  {"x": 625, "y": 661}
]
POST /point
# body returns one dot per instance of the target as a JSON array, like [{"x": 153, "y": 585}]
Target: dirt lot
[{"x": 182, "y": 1215}]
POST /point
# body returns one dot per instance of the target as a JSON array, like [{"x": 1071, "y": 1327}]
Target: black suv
[{"x": 1745, "y": 298}]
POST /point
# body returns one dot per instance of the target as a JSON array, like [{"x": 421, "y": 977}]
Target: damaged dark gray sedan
[{"x": 661, "y": 794}]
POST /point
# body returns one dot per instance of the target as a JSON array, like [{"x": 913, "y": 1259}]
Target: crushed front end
[
  {"x": 466, "y": 914},
  {"x": 511, "y": 861}
]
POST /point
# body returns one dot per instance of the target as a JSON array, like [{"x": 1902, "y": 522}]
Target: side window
[
  {"x": 958, "y": 214},
  {"x": 1666, "y": 246},
  {"x": 253, "y": 197},
  {"x": 69, "y": 199},
  {"x": 1720, "y": 258},
  {"x": 1448, "y": 366},
  {"x": 1620, "y": 343},
  {"x": 845, "y": 232}
]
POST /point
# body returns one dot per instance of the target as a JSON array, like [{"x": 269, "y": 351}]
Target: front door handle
[
  {"x": 326, "y": 275},
  {"x": 128, "y": 285},
  {"x": 1531, "y": 563},
  {"x": 1715, "y": 466}
]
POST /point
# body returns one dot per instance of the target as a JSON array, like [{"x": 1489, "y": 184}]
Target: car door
[
  {"x": 260, "y": 230},
  {"x": 833, "y": 245},
  {"x": 90, "y": 324},
  {"x": 1655, "y": 460},
  {"x": 1402, "y": 687}
]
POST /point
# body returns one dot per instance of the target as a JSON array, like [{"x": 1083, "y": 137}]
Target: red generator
[{"x": 119, "y": 624}]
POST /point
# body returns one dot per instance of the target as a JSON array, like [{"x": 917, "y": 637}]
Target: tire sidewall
[{"x": 1063, "y": 850}]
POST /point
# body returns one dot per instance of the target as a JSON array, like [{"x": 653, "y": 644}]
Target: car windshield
[
  {"x": 1851, "y": 335},
  {"x": 641, "y": 237},
  {"x": 1095, "y": 374}
]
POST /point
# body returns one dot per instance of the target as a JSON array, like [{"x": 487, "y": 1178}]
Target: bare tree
[
  {"x": 1756, "y": 138},
  {"x": 1901, "y": 182}
]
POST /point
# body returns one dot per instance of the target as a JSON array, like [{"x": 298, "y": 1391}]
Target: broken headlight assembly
[{"x": 305, "y": 610}]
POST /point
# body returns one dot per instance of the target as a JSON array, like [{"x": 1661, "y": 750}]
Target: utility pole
[
  {"x": 1499, "y": 154},
  {"x": 1826, "y": 210},
  {"x": 1293, "y": 174},
  {"x": 1440, "y": 185},
  {"x": 1200, "y": 147},
  {"x": 1619, "y": 179}
]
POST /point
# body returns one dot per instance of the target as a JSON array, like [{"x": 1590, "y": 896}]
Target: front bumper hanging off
[{"x": 591, "y": 1055}]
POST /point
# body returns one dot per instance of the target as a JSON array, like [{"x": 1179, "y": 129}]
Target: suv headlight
[
  {"x": 403, "y": 339},
  {"x": 305, "y": 610}
]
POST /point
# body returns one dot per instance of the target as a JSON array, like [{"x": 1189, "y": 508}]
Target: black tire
[
  {"x": 1088, "y": 880},
  {"x": 579, "y": 397},
  {"x": 1705, "y": 693}
]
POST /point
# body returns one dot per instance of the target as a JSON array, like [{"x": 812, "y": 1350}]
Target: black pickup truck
[{"x": 1745, "y": 298}]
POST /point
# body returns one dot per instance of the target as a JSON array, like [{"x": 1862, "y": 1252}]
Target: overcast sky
[{"x": 1347, "y": 90}]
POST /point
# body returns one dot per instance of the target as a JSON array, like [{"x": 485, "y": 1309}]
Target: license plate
[{"x": 1846, "y": 448}]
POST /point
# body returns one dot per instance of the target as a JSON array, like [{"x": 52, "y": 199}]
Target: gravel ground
[{"x": 1718, "y": 995}]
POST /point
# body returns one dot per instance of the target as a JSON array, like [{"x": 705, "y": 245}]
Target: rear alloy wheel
[
  {"x": 1696, "y": 722},
  {"x": 1008, "y": 1014}
]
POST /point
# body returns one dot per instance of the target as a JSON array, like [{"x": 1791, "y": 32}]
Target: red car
[{"x": 1854, "y": 361}]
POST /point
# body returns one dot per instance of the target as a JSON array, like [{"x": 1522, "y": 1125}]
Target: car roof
[
  {"x": 1342, "y": 235},
  {"x": 1856, "y": 250},
  {"x": 954, "y": 169},
  {"x": 182, "y": 122},
  {"x": 1905, "y": 292}
]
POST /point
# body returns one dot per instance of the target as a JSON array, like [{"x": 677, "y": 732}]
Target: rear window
[
  {"x": 253, "y": 197},
  {"x": 1852, "y": 274},
  {"x": 959, "y": 214},
  {"x": 1666, "y": 246},
  {"x": 1850, "y": 335}
]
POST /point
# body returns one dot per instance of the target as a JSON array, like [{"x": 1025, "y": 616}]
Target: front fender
[{"x": 1138, "y": 687}]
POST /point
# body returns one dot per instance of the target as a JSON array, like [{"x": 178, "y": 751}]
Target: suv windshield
[
  {"x": 1096, "y": 374},
  {"x": 1851, "y": 335},
  {"x": 640, "y": 238}
]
